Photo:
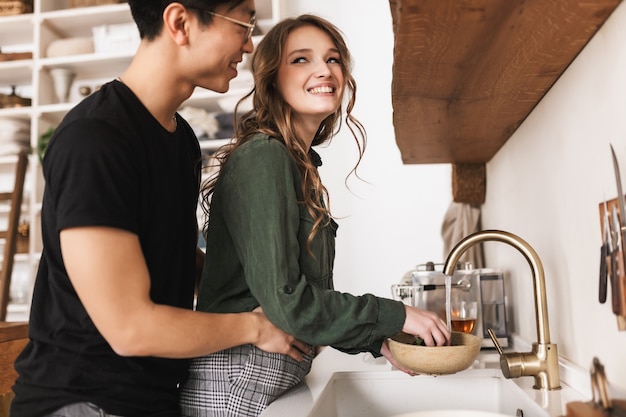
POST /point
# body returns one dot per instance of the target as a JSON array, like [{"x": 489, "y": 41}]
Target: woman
[{"x": 271, "y": 237}]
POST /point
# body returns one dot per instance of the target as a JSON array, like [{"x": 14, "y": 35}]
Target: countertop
[{"x": 301, "y": 400}]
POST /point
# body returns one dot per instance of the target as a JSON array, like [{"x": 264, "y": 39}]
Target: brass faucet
[{"x": 543, "y": 361}]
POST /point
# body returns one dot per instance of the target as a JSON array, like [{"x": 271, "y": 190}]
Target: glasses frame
[{"x": 248, "y": 25}]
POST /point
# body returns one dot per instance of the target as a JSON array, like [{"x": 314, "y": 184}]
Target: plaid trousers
[{"x": 239, "y": 382}]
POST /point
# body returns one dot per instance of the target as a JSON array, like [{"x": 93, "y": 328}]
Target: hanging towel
[{"x": 460, "y": 220}]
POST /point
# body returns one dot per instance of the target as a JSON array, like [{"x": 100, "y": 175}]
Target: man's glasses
[{"x": 248, "y": 25}]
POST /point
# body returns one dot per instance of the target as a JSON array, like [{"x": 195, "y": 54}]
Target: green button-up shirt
[{"x": 257, "y": 255}]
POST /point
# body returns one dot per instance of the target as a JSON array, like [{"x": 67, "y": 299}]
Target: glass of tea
[{"x": 463, "y": 316}]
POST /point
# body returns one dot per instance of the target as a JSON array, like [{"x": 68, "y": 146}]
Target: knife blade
[
  {"x": 616, "y": 272},
  {"x": 620, "y": 289},
  {"x": 620, "y": 196}
]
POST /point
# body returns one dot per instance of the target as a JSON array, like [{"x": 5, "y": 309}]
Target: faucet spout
[{"x": 542, "y": 362}]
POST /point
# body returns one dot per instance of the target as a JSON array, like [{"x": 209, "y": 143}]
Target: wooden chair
[
  {"x": 14, "y": 199},
  {"x": 13, "y": 338}
]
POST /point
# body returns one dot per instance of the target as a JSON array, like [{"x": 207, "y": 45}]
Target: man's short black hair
[{"x": 148, "y": 13}]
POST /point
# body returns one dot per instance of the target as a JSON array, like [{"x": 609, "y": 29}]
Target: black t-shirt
[{"x": 110, "y": 163}]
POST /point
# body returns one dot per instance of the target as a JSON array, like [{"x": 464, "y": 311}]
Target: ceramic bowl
[{"x": 436, "y": 360}]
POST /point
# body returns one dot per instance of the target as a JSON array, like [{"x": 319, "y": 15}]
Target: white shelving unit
[{"x": 34, "y": 32}]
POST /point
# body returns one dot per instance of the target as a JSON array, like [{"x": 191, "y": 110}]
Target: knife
[
  {"x": 605, "y": 249},
  {"x": 620, "y": 197},
  {"x": 603, "y": 274},
  {"x": 616, "y": 272},
  {"x": 621, "y": 278}
]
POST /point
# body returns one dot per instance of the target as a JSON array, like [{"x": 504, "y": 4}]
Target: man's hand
[{"x": 273, "y": 339}]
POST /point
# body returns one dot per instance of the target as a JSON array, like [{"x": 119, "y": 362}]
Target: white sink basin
[
  {"x": 452, "y": 413},
  {"x": 341, "y": 385},
  {"x": 386, "y": 394}
]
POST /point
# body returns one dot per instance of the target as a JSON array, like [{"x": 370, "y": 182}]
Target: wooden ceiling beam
[{"x": 466, "y": 73}]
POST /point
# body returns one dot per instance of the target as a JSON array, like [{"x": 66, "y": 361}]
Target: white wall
[
  {"x": 392, "y": 222},
  {"x": 544, "y": 185}
]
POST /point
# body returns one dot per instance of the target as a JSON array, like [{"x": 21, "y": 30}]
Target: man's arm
[{"x": 107, "y": 269}]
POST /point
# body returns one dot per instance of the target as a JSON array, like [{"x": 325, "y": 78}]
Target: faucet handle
[
  {"x": 494, "y": 339},
  {"x": 514, "y": 364},
  {"x": 510, "y": 364}
]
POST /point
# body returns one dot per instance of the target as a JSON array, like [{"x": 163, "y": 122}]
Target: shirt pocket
[{"x": 316, "y": 264}]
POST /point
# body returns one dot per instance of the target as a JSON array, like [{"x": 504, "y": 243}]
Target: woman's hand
[
  {"x": 427, "y": 325},
  {"x": 384, "y": 350}
]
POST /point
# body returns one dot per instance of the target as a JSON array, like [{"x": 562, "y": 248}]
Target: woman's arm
[{"x": 260, "y": 204}]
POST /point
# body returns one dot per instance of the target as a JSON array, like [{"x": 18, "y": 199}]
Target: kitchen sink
[{"x": 386, "y": 394}]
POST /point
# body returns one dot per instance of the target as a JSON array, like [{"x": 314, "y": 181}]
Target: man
[{"x": 111, "y": 320}]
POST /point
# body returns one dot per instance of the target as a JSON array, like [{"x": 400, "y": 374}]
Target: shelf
[
  {"x": 22, "y": 257},
  {"x": 200, "y": 96},
  {"x": 16, "y": 72},
  {"x": 465, "y": 77},
  {"x": 8, "y": 159},
  {"x": 55, "y": 111},
  {"x": 91, "y": 65},
  {"x": 213, "y": 102},
  {"x": 16, "y": 30},
  {"x": 4, "y": 211},
  {"x": 18, "y": 308},
  {"x": 19, "y": 257},
  {"x": 18, "y": 312},
  {"x": 78, "y": 22},
  {"x": 23, "y": 113},
  {"x": 213, "y": 144}
]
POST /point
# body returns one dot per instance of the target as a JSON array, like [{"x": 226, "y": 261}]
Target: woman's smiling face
[{"x": 310, "y": 77}]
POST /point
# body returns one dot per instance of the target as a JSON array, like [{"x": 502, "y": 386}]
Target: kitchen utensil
[
  {"x": 436, "y": 360},
  {"x": 70, "y": 46},
  {"x": 13, "y": 100},
  {"x": 605, "y": 249},
  {"x": 601, "y": 404},
  {"x": 616, "y": 272},
  {"x": 619, "y": 290},
  {"x": 588, "y": 409},
  {"x": 408, "y": 294},
  {"x": 62, "y": 79},
  {"x": 603, "y": 274},
  {"x": 620, "y": 198}
]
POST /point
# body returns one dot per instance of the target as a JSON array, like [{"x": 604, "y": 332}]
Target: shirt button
[{"x": 288, "y": 289}]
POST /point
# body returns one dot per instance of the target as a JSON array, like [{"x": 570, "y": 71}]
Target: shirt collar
[{"x": 316, "y": 160}]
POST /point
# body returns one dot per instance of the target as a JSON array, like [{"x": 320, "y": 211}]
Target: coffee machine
[
  {"x": 484, "y": 285},
  {"x": 493, "y": 307}
]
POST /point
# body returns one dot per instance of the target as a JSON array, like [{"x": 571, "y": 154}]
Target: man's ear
[{"x": 176, "y": 23}]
